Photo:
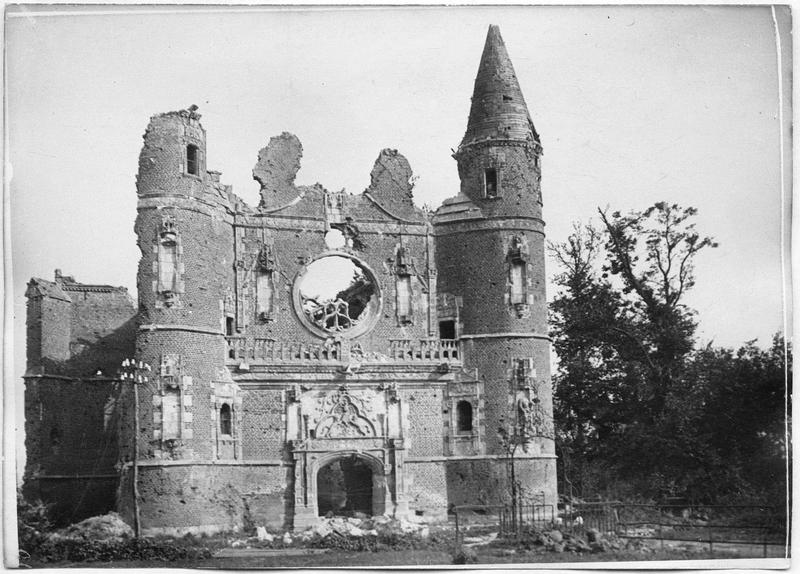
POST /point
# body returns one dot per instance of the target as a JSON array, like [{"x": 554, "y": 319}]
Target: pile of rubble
[
  {"x": 557, "y": 541},
  {"x": 106, "y": 527},
  {"x": 359, "y": 526},
  {"x": 363, "y": 526}
]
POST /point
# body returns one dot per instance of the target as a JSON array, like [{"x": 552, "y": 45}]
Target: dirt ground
[{"x": 410, "y": 558}]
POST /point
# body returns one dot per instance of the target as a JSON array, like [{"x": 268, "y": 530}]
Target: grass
[{"x": 335, "y": 559}]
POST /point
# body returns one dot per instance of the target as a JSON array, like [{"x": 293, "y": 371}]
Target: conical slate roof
[{"x": 498, "y": 107}]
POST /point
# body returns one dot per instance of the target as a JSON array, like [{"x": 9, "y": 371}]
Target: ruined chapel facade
[{"x": 321, "y": 352}]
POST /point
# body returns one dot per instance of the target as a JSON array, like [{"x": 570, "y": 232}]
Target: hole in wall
[
  {"x": 337, "y": 293},
  {"x": 335, "y": 239}
]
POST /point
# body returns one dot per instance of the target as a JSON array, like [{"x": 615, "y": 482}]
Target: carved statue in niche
[
  {"x": 170, "y": 371},
  {"x": 343, "y": 417},
  {"x": 532, "y": 420},
  {"x": 266, "y": 259},
  {"x": 524, "y": 413},
  {"x": 265, "y": 266},
  {"x": 168, "y": 227},
  {"x": 517, "y": 249},
  {"x": 168, "y": 257}
]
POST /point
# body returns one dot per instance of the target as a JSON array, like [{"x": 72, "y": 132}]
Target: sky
[{"x": 634, "y": 105}]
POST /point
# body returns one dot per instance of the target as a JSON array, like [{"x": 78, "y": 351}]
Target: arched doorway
[{"x": 345, "y": 486}]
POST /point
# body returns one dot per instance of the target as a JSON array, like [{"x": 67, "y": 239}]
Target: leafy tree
[
  {"x": 590, "y": 396},
  {"x": 634, "y": 403},
  {"x": 743, "y": 417},
  {"x": 652, "y": 252},
  {"x": 622, "y": 334}
]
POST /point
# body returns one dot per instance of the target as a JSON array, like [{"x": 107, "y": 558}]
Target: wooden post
[
  {"x": 136, "y": 374},
  {"x": 136, "y": 524}
]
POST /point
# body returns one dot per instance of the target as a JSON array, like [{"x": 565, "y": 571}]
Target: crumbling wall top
[
  {"x": 392, "y": 184},
  {"x": 276, "y": 169}
]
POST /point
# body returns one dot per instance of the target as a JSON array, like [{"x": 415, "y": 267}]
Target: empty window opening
[
  {"x": 464, "y": 416},
  {"x": 229, "y": 326},
  {"x": 518, "y": 282},
  {"x": 404, "y": 296},
  {"x": 490, "y": 182},
  {"x": 225, "y": 420},
  {"x": 337, "y": 293},
  {"x": 447, "y": 329},
  {"x": 192, "y": 160},
  {"x": 344, "y": 487},
  {"x": 520, "y": 370},
  {"x": 167, "y": 266},
  {"x": 170, "y": 415},
  {"x": 507, "y": 98},
  {"x": 265, "y": 293}
]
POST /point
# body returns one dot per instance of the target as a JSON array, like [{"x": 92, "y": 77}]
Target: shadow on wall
[
  {"x": 73, "y": 427},
  {"x": 90, "y": 358}
]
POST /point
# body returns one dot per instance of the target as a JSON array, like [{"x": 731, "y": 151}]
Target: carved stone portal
[{"x": 344, "y": 417}]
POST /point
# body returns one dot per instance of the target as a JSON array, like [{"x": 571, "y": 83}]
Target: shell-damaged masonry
[{"x": 321, "y": 352}]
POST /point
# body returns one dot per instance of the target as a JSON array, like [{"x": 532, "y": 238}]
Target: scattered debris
[
  {"x": 105, "y": 527},
  {"x": 262, "y": 534}
]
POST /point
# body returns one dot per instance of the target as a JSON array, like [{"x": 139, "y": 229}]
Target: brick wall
[
  {"x": 488, "y": 481},
  {"x": 179, "y": 499},
  {"x": 424, "y": 422},
  {"x": 262, "y": 425},
  {"x": 426, "y": 489},
  {"x": 48, "y": 332},
  {"x": 71, "y": 429}
]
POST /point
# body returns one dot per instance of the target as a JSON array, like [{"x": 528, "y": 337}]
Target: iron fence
[{"x": 762, "y": 526}]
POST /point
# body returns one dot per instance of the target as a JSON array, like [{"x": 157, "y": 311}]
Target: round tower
[
  {"x": 490, "y": 251},
  {"x": 184, "y": 233}
]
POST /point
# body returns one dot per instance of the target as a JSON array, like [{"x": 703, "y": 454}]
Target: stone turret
[
  {"x": 185, "y": 234},
  {"x": 498, "y": 107},
  {"x": 490, "y": 257}
]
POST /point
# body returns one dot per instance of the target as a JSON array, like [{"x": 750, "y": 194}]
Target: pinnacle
[{"x": 498, "y": 107}]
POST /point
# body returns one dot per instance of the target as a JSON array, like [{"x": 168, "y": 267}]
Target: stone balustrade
[{"x": 269, "y": 351}]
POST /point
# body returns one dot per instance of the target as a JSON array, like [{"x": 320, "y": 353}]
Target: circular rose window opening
[{"x": 337, "y": 294}]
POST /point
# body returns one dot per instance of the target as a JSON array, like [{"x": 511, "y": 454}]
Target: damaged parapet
[
  {"x": 173, "y": 160},
  {"x": 392, "y": 184},
  {"x": 276, "y": 169},
  {"x": 77, "y": 329},
  {"x": 390, "y": 189}
]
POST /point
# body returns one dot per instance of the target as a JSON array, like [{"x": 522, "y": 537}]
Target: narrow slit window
[
  {"x": 519, "y": 370},
  {"x": 490, "y": 182},
  {"x": 404, "y": 296},
  {"x": 171, "y": 414},
  {"x": 167, "y": 266},
  {"x": 464, "y": 416},
  {"x": 517, "y": 283},
  {"x": 192, "y": 160},
  {"x": 225, "y": 420},
  {"x": 229, "y": 326},
  {"x": 265, "y": 293}
]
